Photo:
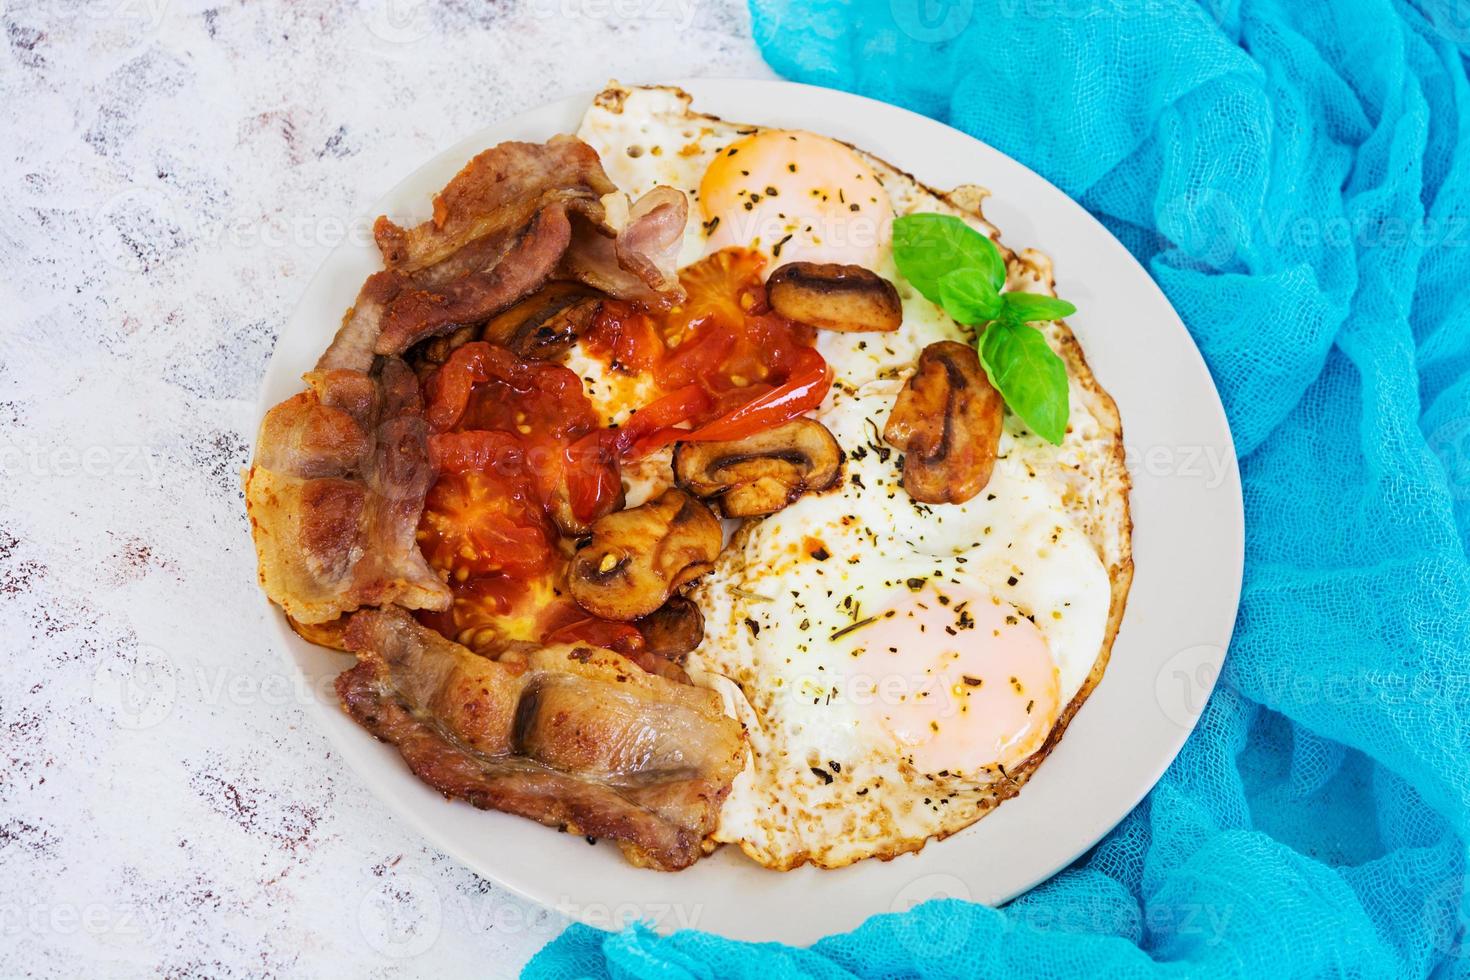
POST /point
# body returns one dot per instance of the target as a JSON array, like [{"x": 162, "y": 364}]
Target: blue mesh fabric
[{"x": 1296, "y": 176}]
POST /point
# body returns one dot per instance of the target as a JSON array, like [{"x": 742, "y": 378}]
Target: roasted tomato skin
[
  {"x": 723, "y": 357},
  {"x": 477, "y": 451},
  {"x": 805, "y": 386},
  {"x": 724, "y": 337},
  {"x": 529, "y": 422},
  {"x": 524, "y": 461},
  {"x": 477, "y": 523},
  {"x": 593, "y": 477},
  {"x": 521, "y": 461},
  {"x": 491, "y": 612},
  {"x": 486, "y": 387}
]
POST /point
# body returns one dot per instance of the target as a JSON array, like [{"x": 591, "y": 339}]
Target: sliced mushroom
[
  {"x": 947, "y": 421},
  {"x": 546, "y": 323},
  {"x": 436, "y": 350},
  {"x": 673, "y": 629},
  {"x": 637, "y": 558},
  {"x": 834, "y": 297},
  {"x": 762, "y": 473}
]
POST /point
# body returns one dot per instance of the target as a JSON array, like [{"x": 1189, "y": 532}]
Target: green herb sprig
[{"x": 961, "y": 270}]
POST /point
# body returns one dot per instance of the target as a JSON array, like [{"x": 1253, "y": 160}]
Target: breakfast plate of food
[{"x": 685, "y": 511}]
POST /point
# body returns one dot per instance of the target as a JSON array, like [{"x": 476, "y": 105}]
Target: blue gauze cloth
[{"x": 1295, "y": 174}]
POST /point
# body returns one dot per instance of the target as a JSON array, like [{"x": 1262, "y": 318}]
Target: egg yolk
[
  {"x": 961, "y": 680},
  {"x": 796, "y": 197}
]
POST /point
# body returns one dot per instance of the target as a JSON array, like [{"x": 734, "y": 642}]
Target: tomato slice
[
  {"x": 810, "y": 379},
  {"x": 725, "y": 336},
  {"x": 482, "y": 386},
  {"x": 447, "y": 391},
  {"x": 642, "y": 433},
  {"x": 732, "y": 366},
  {"x": 802, "y": 391},
  {"x": 700, "y": 359},
  {"x": 626, "y": 336},
  {"x": 476, "y": 524},
  {"x": 529, "y": 423},
  {"x": 592, "y": 476},
  {"x": 463, "y": 452}
]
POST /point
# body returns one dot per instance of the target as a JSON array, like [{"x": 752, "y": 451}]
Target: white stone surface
[{"x": 171, "y": 174}]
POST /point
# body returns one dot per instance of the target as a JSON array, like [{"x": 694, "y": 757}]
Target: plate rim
[{"x": 329, "y": 717}]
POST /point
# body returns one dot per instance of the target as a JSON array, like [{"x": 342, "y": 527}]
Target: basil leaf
[
  {"x": 960, "y": 269},
  {"x": 1028, "y": 374},
  {"x": 1030, "y": 307},
  {"x": 968, "y": 296},
  {"x": 926, "y": 246}
]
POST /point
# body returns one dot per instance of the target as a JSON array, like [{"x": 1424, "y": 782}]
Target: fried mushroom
[
  {"x": 636, "y": 559},
  {"x": 545, "y": 324},
  {"x": 947, "y": 421},
  {"x": 763, "y": 473},
  {"x": 834, "y": 297},
  {"x": 432, "y": 353},
  {"x": 673, "y": 629}
]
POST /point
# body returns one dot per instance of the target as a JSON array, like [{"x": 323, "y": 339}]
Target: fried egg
[
  {"x": 893, "y": 661},
  {"x": 796, "y": 197},
  {"x": 899, "y": 668}
]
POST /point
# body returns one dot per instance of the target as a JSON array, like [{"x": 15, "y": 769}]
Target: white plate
[{"x": 1187, "y": 546}]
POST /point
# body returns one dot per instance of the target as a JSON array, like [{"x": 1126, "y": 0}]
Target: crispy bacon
[
  {"x": 498, "y": 232},
  {"x": 638, "y": 261},
  {"x": 395, "y": 311},
  {"x": 496, "y": 193},
  {"x": 513, "y": 217},
  {"x": 352, "y": 348},
  {"x": 572, "y": 736},
  {"x": 335, "y": 492},
  {"x": 414, "y": 314}
]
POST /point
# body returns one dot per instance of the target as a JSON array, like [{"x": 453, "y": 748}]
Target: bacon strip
[
  {"x": 352, "y": 349},
  {"x": 649, "y": 244},
  {"x": 494, "y": 195},
  {"x": 501, "y": 228},
  {"x": 335, "y": 492},
  {"x": 415, "y": 314},
  {"x": 498, "y": 232},
  {"x": 572, "y": 736},
  {"x": 639, "y": 261}
]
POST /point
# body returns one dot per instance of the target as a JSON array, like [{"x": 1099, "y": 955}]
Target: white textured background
[{"x": 172, "y": 173}]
